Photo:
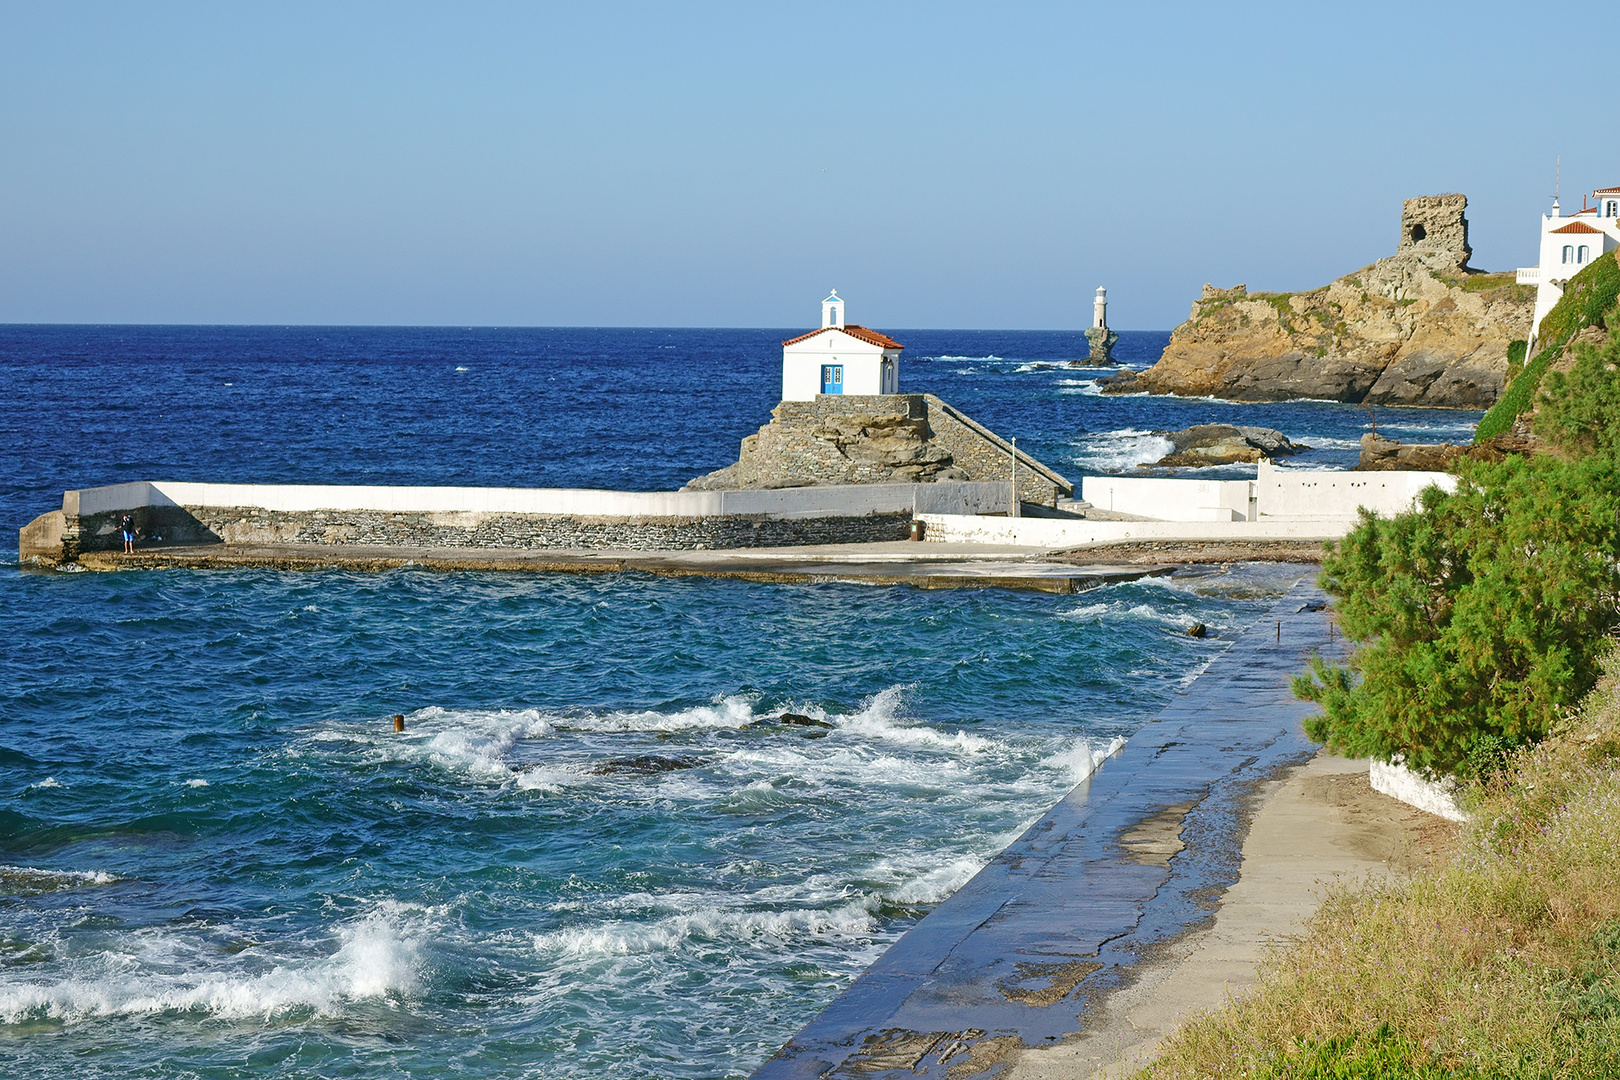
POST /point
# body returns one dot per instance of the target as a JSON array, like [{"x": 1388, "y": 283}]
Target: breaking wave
[
  {"x": 1117, "y": 451},
  {"x": 378, "y": 955}
]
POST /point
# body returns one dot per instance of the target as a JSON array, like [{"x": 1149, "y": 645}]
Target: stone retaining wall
[
  {"x": 984, "y": 455},
  {"x": 256, "y": 525}
]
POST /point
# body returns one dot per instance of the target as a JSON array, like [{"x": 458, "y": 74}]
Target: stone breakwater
[
  {"x": 170, "y": 514},
  {"x": 875, "y": 439},
  {"x": 1418, "y": 328}
]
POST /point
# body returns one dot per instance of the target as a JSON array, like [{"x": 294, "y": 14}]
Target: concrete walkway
[
  {"x": 1318, "y": 826},
  {"x": 1031, "y": 950},
  {"x": 924, "y": 565}
]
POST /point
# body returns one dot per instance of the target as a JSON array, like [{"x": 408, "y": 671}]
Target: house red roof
[
  {"x": 859, "y": 333},
  {"x": 1606, "y": 190},
  {"x": 1578, "y": 227}
]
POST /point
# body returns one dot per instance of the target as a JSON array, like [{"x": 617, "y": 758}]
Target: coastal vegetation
[
  {"x": 1588, "y": 301},
  {"x": 1502, "y": 962},
  {"x": 1480, "y": 615},
  {"x": 1484, "y": 623}
]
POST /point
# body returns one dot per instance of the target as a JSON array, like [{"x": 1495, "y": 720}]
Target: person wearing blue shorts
[{"x": 129, "y": 535}]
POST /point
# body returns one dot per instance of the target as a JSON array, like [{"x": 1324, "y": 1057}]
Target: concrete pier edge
[{"x": 1133, "y": 858}]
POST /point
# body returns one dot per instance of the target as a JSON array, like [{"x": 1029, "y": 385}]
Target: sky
[{"x": 695, "y": 164}]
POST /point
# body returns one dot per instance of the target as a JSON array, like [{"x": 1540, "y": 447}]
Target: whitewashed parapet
[
  {"x": 840, "y": 500},
  {"x": 1056, "y": 533},
  {"x": 1398, "y": 782},
  {"x": 1321, "y": 493},
  {"x": 1172, "y": 498}
]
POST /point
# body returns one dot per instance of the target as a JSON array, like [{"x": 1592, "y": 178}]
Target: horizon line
[{"x": 543, "y": 326}]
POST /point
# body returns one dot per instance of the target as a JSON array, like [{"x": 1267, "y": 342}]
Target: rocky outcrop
[
  {"x": 878, "y": 439},
  {"x": 1102, "y": 341},
  {"x": 1226, "y": 444},
  {"x": 1381, "y": 454},
  {"x": 1418, "y": 328}
]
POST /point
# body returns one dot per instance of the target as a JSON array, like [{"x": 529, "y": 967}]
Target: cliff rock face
[{"x": 1417, "y": 328}]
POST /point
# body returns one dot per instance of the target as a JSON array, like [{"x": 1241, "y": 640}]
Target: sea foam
[{"x": 377, "y": 955}]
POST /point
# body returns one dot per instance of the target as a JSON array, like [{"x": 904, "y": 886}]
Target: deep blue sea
[{"x": 217, "y": 859}]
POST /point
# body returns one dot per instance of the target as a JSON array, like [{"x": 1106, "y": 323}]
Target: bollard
[
  {"x": 1279, "y": 629},
  {"x": 399, "y": 722}
]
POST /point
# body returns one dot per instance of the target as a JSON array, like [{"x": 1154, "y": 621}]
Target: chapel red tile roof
[
  {"x": 1606, "y": 190},
  {"x": 1578, "y": 227},
  {"x": 859, "y": 333}
]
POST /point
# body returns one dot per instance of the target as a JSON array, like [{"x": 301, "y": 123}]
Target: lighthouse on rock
[{"x": 1102, "y": 339}]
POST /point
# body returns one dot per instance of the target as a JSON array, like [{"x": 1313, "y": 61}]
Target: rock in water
[
  {"x": 801, "y": 720},
  {"x": 1226, "y": 444},
  {"x": 1418, "y": 328},
  {"x": 1198, "y": 629},
  {"x": 644, "y": 764}
]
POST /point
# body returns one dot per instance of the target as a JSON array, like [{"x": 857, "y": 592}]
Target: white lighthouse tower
[{"x": 1101, "y": 338}]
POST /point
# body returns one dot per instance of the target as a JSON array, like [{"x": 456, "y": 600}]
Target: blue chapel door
[{"x": 832, "y": 378}]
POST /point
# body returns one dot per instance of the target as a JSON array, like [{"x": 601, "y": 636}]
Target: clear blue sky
[{"x": 664, "y": 164}]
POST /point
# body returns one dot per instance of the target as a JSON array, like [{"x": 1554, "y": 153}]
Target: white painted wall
[
  {"x": 863, "y": 366},
  {"x": 1399, "y": 782},
  {"x": 1056, "y": 533},
  {"x": 845, "y": 499},
  {"x": 1171, "y": 499},
  {"x": 1552, "y": 272},
  {"x": 1325, "y": 493},
  {"x": 1275, "y": 493}
]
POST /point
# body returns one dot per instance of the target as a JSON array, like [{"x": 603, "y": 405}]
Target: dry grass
[{"x": 1504, "y": 961}]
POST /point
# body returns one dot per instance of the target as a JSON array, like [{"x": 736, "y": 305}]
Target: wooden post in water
[{"x": 399, "y": 722}]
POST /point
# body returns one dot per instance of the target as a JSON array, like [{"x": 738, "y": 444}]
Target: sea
[{"x": 592, "y": 852}]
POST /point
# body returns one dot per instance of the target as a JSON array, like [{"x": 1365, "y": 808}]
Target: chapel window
[
  {"x": 1583, "y": 254},
  {"x": 1569, "y": 254}
]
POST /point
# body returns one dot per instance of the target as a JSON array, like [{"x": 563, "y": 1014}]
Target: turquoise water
[{"x": 217, "y": 859}]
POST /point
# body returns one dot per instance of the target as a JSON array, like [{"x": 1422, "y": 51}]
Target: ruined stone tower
[{"x": 1435, "y": 232}]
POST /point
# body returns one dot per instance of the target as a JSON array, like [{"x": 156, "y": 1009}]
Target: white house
[
  {"x": 840, "y": 358},
  {"x": 1568, "y": 244}
]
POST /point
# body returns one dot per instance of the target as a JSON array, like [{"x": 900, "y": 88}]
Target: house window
[
  {"x": 1611, "y": 208},
  {"x": 1569, "y": 254},
  {"x": 1583, "y": 254}
]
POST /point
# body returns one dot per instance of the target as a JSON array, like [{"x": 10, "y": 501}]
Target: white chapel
[
  {"x": 839, "y": 358},
  {"x": 1568, "y": 244}
]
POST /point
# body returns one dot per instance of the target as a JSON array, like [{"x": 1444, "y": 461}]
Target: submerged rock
[{"x": 1226, "y": 444}]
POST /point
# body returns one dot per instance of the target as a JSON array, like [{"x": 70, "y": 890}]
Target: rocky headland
[{"x": 1421, "y": 327}]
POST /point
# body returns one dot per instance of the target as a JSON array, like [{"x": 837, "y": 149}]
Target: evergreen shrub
[{"x": 1480, "y": 614}]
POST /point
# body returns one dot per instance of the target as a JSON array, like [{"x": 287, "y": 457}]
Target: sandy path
[{"x": 1319, "y": 824}]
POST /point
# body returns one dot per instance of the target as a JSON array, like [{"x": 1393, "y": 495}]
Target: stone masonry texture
[{"x": 254, "y": 525}]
